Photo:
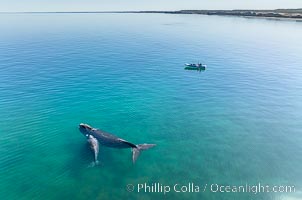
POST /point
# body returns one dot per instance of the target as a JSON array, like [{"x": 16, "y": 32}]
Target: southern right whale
[
  {"x": 94, "y": 146},
  {"x": 113, "y": 141}
]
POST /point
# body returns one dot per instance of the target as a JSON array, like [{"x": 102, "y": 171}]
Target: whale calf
[
  {"x": 109, "y": 140},
  {"x": 94, "y": 146}
]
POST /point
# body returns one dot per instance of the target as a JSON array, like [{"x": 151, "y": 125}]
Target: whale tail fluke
[
  {"x": 136, "y": 150},
  {"x": 94, "y": 164}
]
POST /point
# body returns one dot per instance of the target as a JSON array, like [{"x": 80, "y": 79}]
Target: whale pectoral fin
[{"x": 136, "y": 150}]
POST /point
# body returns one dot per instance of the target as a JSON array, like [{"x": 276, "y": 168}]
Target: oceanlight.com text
[{"x": 191, "y": 187}]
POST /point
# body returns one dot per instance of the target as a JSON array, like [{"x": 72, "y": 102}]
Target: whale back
[{"x": 111, "y": 140}]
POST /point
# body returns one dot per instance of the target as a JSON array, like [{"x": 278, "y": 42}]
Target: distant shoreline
[
  {"x": 291, "y": 14},
  {"x": 294, "y": 14}
]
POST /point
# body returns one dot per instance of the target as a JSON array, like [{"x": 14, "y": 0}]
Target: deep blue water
[{"x": 238, "y": 122}]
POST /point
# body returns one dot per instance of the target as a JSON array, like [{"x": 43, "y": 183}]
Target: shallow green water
[{"x": 239, "y": 122}]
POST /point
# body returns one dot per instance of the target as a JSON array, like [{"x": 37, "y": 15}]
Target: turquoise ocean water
[{"x": 237, "y": 123}]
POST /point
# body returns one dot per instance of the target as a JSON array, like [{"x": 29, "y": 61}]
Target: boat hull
[{"x": 195, "y": 68}]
